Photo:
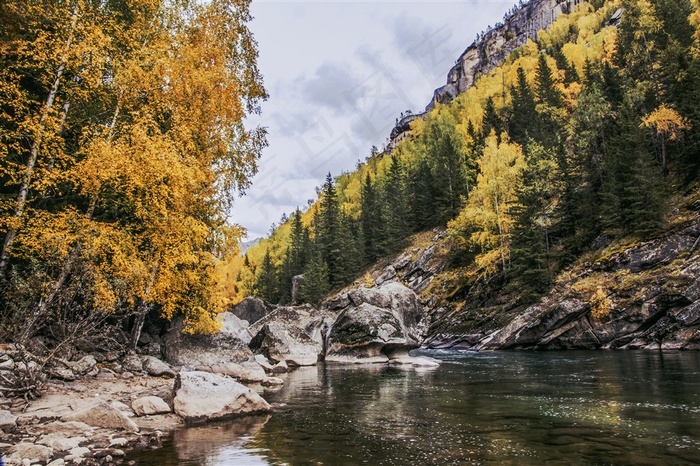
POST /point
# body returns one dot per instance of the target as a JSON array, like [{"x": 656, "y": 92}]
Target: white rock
[
  {"x": 123, "y": 407},
  {"x": 58, "y": 462},
  {"x": 157, "y": 368},
  {"x": 118, "y": 442},
  {"x": 33, "y": 453},
  {"x": 281, "y": 367},
  {"x": 101, "y": 414},
  {"x": 149, "y": 405},
  {"x": 263, "y": 361},
  {"x": 418, "y": 361},
  {"x": 201, "y": 396},
  {"x": 59, "y": 442},
  {"x": 79, "y": 451},
  {"x": 272, "y": 382}
]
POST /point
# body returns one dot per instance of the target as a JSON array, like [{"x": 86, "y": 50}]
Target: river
[{"x": 500, "y": 408}]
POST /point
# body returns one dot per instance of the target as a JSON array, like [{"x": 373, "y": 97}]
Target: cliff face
[
  {"x": 495, "y": 45},
  {"x": 491, "y": 50}
]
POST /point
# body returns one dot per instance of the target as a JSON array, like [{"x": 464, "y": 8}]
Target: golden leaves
[
  {"x": 139, "y": 148},
  {"x": 666, "y": 121},
  {"x": 484, "y": 225}
]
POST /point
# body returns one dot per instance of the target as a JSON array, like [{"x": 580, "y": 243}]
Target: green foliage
[
  {"x": 267, "y": 280},
  {"x": 316, "y": 281}
]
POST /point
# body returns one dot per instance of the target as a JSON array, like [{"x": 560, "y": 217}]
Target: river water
[{"x": 499, "y": 408}]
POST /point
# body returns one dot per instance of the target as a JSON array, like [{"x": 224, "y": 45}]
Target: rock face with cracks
[
  {"x": 229, "y": 344},
  {"x": 295, "y": 335},
  {"x": 376, "y": 324}
]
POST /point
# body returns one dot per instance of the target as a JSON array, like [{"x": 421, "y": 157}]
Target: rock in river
[{"x": 201, "y": 396}]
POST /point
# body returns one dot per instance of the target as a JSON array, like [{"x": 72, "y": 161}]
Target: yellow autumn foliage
[
  {"x": 485, "y": 224},
  {"x": 124, "y": 158}
]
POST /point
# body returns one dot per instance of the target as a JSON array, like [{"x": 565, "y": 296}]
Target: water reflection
[{"x": 488, "y": 408}]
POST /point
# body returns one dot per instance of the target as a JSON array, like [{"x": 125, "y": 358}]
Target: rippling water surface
[{"x": 505, "y": 408}]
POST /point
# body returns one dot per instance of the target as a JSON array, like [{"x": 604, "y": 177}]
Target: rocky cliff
[
  {"x": 490, "y": 50},
  {"x": 496, "y": 44},
  {"x": 628, "y": 296}
]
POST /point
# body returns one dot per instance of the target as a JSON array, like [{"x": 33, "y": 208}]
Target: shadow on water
[{"x": 503, "y": 408}]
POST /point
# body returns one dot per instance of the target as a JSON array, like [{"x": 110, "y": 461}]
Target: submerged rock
[{"x": 201, "y": 396}]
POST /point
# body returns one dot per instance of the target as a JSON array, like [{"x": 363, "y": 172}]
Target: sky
[{"x": 339, "y": 73}]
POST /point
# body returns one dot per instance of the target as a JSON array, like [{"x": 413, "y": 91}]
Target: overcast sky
[{"x": 339, "y": 73}]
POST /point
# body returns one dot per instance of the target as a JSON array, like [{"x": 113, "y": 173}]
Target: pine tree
[
  {"x": 524, "y": 113},
  {"x": 545, "y": 85},
  {"x": 532, "y": 262},
  {"x": 328, "y": 232},
  {"x": 423, "y": 195},
  {"x": 267, "y": 280},
  {"x": 373, "y": 231},
  {"x": 446, "y": 158},
  {"x": 491, "y": 121},
  {"x": 633, "y": 195},
  {"x": 316, "y": 284},
  {"x": 296, "y": 257},
  {"x": 397, "y": 209}
]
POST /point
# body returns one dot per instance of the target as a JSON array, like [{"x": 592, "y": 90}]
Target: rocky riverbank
[
  {"x": 622, "y": 295},
  {"x": 91, "y": 412}
]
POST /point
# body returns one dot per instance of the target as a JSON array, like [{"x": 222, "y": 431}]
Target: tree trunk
[
  {"x": 142, "y": 310},
  {"x": 33, "y": 155}
]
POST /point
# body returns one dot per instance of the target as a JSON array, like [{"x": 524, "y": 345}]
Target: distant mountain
[{"x": 245, "y": 245}]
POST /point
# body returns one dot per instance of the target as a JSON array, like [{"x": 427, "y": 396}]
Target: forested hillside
[{"x": 586, "y": 136}]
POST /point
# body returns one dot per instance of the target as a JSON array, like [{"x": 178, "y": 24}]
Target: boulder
[
  {"x": 264, "y": 362},
  {"x": 365, "y": 332},
  {"x": 133, "y": 363},
  {"x": 251, "y": 309},
  {"x": 149, "y": 405},
  {"x": 280, "y": 367},
  {"x": 272, "y": 382},
  {"x": 59, "y": 442},
  {"x": 102, "y": 414},
  {"x": 201, "y": 396},
  {"x": 297, "y": 283},
  {"x": 157, "y": 368},
  {"x": 295, "y": 335},
  {"x": 389, "y": 273},
  {"x": 8, "y": 421},
  {"x": 377, "y": 323},
  {"x": 35, "y": 453},
  {"x": 229, "y": 344},
  {"x": 61, "y": 373},
  {"x": 246, "y": 372},
  {"x": 85, "y": 366},
  {"x": 69, "y": 429}
]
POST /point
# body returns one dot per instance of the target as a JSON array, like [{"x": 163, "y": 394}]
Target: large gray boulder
[
  {"x": 230, "y": 344},
  {"x": 201, "y": 396},
  {"x": 377, "y": 325},
  {"x": 251, "y": 309},
  {"x": 295, "y": 335}
]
